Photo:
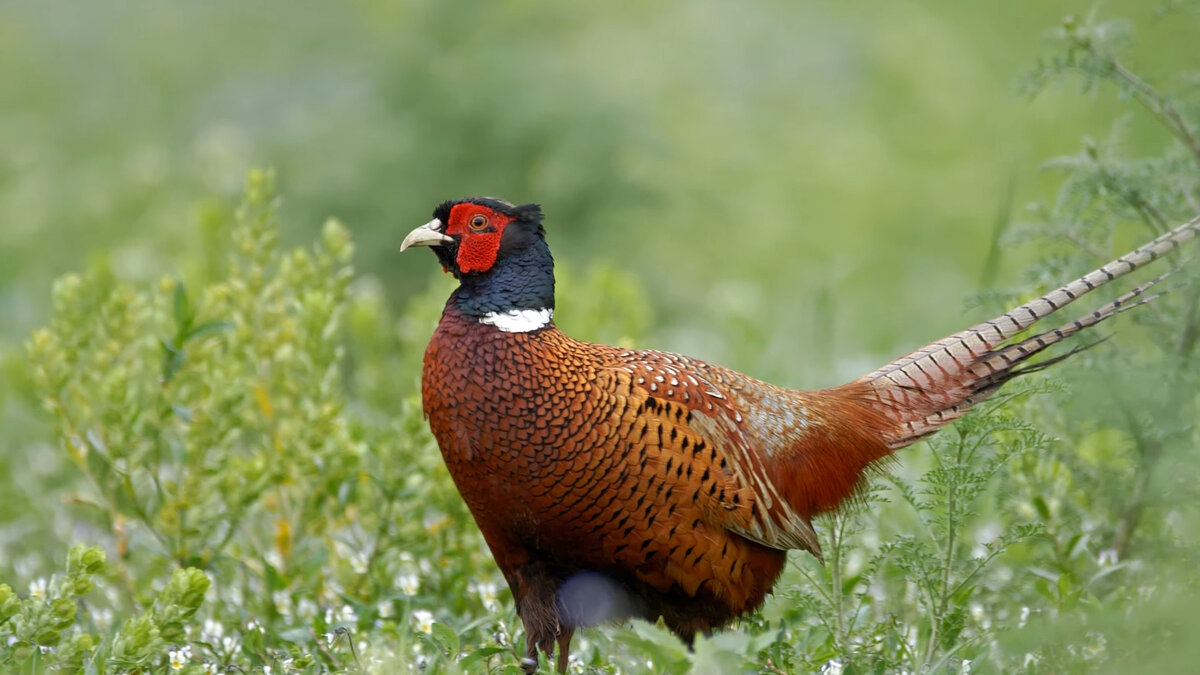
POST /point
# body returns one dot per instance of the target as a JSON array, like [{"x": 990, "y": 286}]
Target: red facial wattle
[{"x": 478, "y": 230}]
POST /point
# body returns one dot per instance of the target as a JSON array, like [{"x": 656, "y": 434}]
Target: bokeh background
[
  {"x": 801, "y": 190},
  {"x": 767, "y": 163}
]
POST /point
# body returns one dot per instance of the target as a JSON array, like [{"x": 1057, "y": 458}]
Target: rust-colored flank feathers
[{"x": 611, "y": 483}]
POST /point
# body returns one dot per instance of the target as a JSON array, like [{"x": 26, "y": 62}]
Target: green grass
[{"x": 220, "y": 391}]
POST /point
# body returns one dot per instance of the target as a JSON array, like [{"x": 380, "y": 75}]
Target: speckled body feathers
[
  {"x": 637, "y": 465},
  {"x": 612, "y": 483}
]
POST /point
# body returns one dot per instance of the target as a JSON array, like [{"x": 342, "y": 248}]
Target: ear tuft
[{"x": 528, "y": 212}]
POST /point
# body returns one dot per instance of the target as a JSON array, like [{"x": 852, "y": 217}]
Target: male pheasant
[{"x": 614, "y": 482}]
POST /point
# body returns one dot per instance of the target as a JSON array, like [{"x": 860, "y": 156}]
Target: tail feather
[
  {"x": 938, "y": 383},
  {"x": 1004, "y": 359}
]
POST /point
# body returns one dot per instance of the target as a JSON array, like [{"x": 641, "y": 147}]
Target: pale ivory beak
[{"x": 428, "y": 234}]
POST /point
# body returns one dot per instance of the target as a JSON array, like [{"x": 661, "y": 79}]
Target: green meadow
[{"x": 212, "y": 452}]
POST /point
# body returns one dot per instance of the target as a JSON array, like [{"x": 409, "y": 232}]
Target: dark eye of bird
[{"x": 479, "y": 222}]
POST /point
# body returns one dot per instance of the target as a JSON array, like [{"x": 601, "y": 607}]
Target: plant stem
[
  {"x": 943, "y": 599},
  {"x": 1157, "y": 104},
  {"x": 836, "y": 580},
  {"x": 1148, "y": 452},
  {"x": 1150, "y": 449}
]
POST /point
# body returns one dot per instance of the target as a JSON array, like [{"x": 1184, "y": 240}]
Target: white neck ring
[{"x": 518, "y": 320}]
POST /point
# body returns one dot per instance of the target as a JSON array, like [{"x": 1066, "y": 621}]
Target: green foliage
[
  {"x": 244, "y": 439},
  {"x": 211, "y": 425},
  {"x": 177, "y": 409},
  {"x": 32, "y": 630},
  {"x": 1112, "y": 507},
  {"x": 924, "y": 599}
]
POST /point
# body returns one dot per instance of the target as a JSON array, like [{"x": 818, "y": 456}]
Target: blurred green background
[
  {"x": 803, "y": 190},
  {"x": 821, "y": 175}
]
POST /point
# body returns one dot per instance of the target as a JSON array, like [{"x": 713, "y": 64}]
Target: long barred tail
[{"x": 936, "y": 384}]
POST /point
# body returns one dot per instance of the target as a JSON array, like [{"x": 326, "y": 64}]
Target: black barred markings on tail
[
  {"x": 611, "y": 482},
  {"x": 939, "y": 382}
]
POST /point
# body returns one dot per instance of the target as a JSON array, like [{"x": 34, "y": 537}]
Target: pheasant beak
[{"x": 428, "y": 234}]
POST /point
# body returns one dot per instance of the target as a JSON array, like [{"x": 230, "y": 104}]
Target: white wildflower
[
  {"x": 283, "y": 603},
  {"x": 980, "y": 615},
  {"x": 409, "y": 584},
  {"x": 212, "y": 631},
  {"x": 38, "y": 587},
  {"x": 487, "y": 594},
  {"x": 423, "y": 621},
  {"x": 347, "y": 614},
  {"x": 306, "y": 609},
  {"x": 1096, "y": 646},
  {"x": 177, "y": 658},
  {"x": 1107, "y": 557},
  {"x": 833, "y": 667}
]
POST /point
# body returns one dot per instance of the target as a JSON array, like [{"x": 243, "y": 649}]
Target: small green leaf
[
  {"x": 252, "y": 642},
  {"x": 208, "y": 328},
  {"x": 480, "y": 654},
  {"x": 172, "y": 359},
  {"x": 1042, "y": 508},
  {"x": 182, "y": 307},
  {"x": 446, "y": 637},
  {"x": 98, "y": 465},
  {"x": 1064, "y": 584},
  {"x": 1043, "y": 589}
]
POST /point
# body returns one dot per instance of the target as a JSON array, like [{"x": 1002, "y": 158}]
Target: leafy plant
[{"x": 244, "y": 439}]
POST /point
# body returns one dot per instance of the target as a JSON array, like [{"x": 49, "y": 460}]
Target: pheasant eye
[{"x": 479, "y": 222}]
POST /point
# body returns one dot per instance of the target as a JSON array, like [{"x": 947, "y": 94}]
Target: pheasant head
[{"x": 498, "y": 253}]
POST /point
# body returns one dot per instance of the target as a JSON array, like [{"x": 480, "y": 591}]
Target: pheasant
[{"x": 613, "y": 483}]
